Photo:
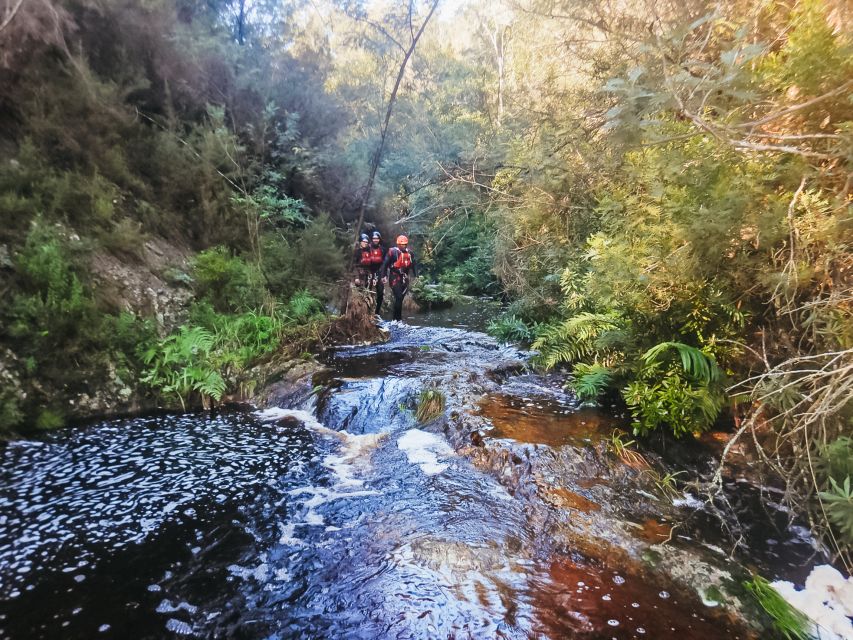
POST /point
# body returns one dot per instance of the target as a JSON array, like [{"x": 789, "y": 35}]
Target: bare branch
[
  {"x": 9, "y": 16},
  {"x": 797, "y": 107}
]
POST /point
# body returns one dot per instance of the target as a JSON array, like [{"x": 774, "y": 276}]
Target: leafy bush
[
  {"x": 50, "y": 308},
  {"x": 211, "y": 353},
  {"x": 181, "y": 364},
  {"x": 838, "y": 502},
  {"x": 303, "y": 306},
  {"x": 274, "y": 207},
  {"x": 434, "y": 296},
  {"x": 49, "y": 419},
  {"x": 239, "y": 339},
  {"x": 589, "y": 381},
  {"x": 226, "y": 281},
  {"x": 581, "y": 336},
  {"x": 474, "y": 276},
  {"x": 11, "y": 412},
  {"x": 125, "y": 238},
  {"x": 311, "y": 260},
  {"x": 835, "y": 460},
  {"x": 834, "y": 467},
  {"x": 509, "y": 328},
  {"x": 682, "y": 394},
  {"x": 242, "y": 339},
  {"x": 461, "y": 252}
]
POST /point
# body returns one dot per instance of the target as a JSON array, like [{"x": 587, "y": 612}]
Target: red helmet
[{"x": 402, "y": 240}]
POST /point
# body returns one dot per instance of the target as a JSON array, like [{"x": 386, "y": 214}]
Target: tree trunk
[
  {"x": 377, "y": 156},
  {"x": 241, "y": 22}
]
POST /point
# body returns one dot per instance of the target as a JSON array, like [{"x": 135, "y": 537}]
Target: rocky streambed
[{"x": 334, "y": 512}]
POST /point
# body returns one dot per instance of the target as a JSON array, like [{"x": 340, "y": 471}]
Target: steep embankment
[{"x": 81, "y": 380}]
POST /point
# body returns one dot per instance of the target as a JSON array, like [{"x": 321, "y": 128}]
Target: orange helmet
[{"x": 402, "y": 240}]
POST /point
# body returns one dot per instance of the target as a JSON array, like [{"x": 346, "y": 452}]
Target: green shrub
[
  {"x": 50, "y": 308},
  {"x": 124, "y": 337},
  {"x": 213, "y": 350},
  {"x": 509, "y": 328},
  {"x": 682, "y": 393},
  {"x": 11, "y": 412},
  {"x": 838, "y": 503},
  {"x": 241, "y": 339},
  {"x": 474, "y": 275},
  {"x": 125, "y": 238},
  {"x": 49, "y": 419},
  {"x": 303, "y": 306},
  {"x": 310, "y": 259},
  {"x": 835, "y": 460},
  {"x": 181, "y": 364},
  {"x": 579, "y": 337},
  {"x": 589, "y": 381},
  {"x": 434, "y": 296},
  {"x": 531, "y": 310},
  {"x": 226, "y": 281}
]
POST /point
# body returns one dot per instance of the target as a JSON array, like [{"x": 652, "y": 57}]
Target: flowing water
[{"x": 342, "y": 517}]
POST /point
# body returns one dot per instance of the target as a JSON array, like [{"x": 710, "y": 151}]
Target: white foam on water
[
  {"x": 345, "y": 465},
  {"x": 353, "y": 455},
  {"x": 166, "y": 606},
  {"x": 827, "y": 600},
  {"x": 287, "y": 537},
  {"x": 688, "y": 500},
  {"x": 425, "y": 449},
  {"x": 313, "y": 518}
]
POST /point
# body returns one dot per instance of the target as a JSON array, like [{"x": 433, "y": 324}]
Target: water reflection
[
  {"x": 543, "y": 420},
  {"x": 343, "y": 518}
]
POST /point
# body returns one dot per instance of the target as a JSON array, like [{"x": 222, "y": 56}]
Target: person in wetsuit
[
  {"x": 399, "y": 266},
  {"x": 377, "y": 259},
  {"x": 361, "y": 261}
]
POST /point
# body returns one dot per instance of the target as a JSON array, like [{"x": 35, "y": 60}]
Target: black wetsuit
[
  {"x": 398, "y": 273},
  {"x": 376, "y": 268}
]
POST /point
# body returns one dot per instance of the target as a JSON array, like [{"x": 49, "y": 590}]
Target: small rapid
[{"x": 341, "y": 516}]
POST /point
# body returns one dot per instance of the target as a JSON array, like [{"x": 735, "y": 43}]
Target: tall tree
[{"x": 380, "y": 146}]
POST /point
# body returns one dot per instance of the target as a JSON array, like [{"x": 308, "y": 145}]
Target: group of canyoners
[{"x": 376, "y": 266}]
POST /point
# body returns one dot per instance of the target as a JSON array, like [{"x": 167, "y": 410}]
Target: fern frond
[
  {"x": 695, "y": 363},
  {"x": 575, "y": 338},
  {"x": 590, "y": 380}
]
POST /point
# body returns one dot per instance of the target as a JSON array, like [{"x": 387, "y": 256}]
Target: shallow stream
[{"x": 340, "y": 516}]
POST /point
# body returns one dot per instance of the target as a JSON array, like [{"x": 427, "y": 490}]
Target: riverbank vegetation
[
  {"x": 660, "y": 192},
  {"x": 663, "y": 194},
  {"x": 173, "y": 199}
]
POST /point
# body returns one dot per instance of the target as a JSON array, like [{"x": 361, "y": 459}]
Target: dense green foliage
[
  {"x": 661, "y": 194},
  {"x": 210, "y": 356},
  {"x": 137, "y": 134}
]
